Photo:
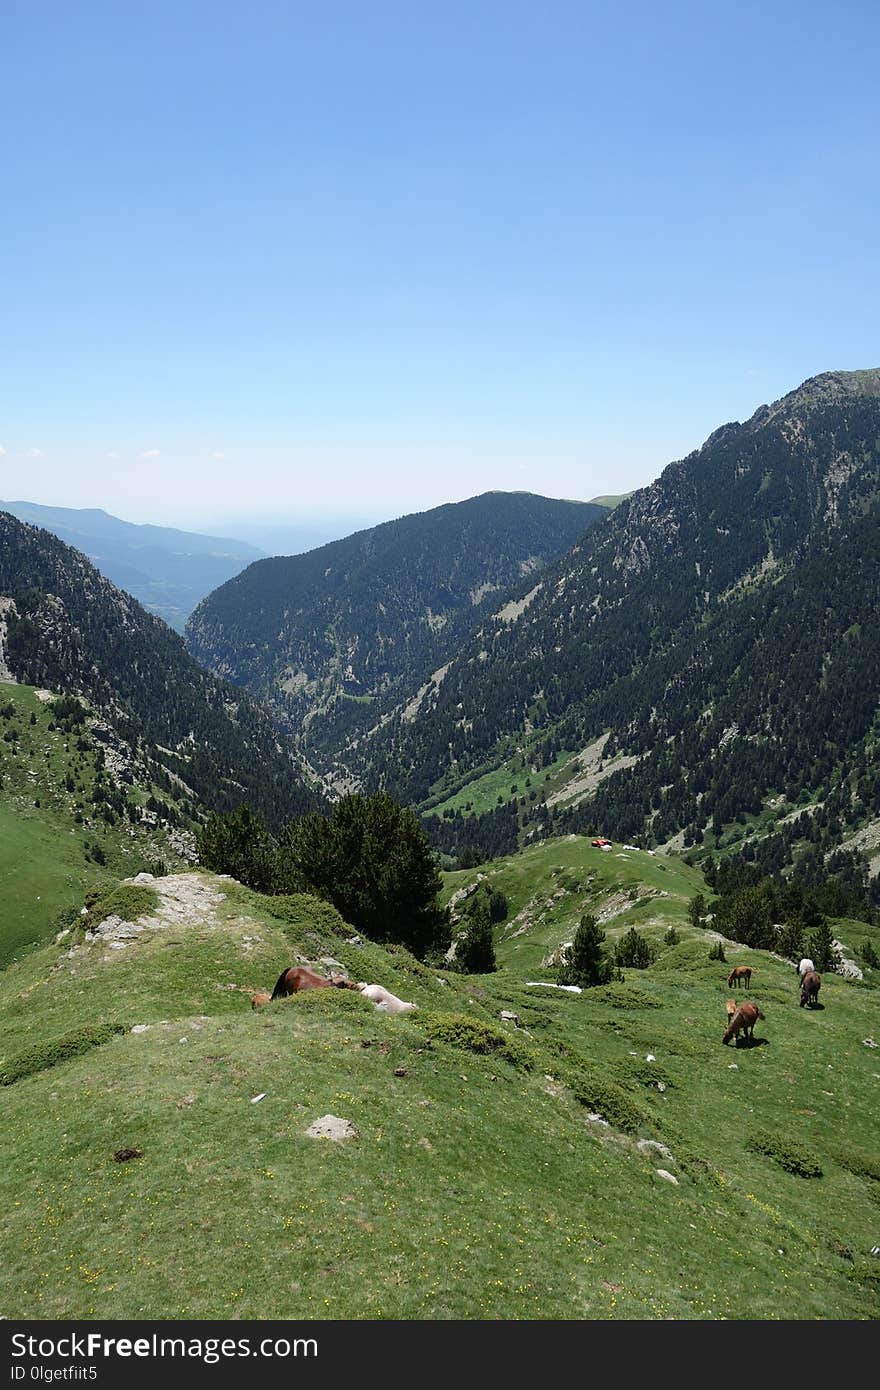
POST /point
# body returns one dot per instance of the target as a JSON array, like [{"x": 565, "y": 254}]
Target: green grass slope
[
  {"x": 550, "y": 885},
  {"x": 54, "y": 844},
  {"x": 497, "y": 1171}
]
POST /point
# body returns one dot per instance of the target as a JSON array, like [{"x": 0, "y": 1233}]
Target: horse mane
[{"x": 279, "y": 992}]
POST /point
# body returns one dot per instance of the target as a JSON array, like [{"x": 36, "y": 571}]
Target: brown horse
[
  {"x": 810, "y": 988},
  {"x": 299, "y": 977},
  {"x": 740, "y": 972},
  {"x": 730, "y": 1007},
  {"x": 743, "y": 1021},
  {"x": 259, "y": 999}
]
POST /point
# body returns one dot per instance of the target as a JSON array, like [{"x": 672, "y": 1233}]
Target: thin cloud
[
  {"x": 112, "y": 455},
  {"x": 150, "y": 454},
  {"x": 2, "y": 452},
  {"x": 218, "y": 455},
  {"x": 33, "y": 453}
]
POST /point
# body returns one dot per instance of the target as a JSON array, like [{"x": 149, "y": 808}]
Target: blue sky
[{"x": 277, "y": 259}]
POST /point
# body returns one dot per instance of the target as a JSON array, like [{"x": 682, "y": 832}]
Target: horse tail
[{"x": 281, "y": 991}]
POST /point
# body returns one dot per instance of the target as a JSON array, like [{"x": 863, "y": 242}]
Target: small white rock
[{"x": 670, "y": 1177}]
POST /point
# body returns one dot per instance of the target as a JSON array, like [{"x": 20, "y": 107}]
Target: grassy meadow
[{"x": 499, "y": 1170}]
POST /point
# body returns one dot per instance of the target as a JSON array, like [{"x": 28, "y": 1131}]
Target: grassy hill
[
  {"x": 549, "y": 887},
  {"x": 54, "y": 840},
  {"x": 498, "y": 1171}
]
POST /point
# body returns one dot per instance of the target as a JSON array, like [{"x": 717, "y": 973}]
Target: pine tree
[
  {"x": 585, "y": 963},
  {"x": 475, "y": 948},
  {"x": 696, "y": 909},
  {"x": 370, "y": 858},
  {"x": 239, "y": 844},
  {"x": 822, "y": 950},
  {"x": 634, "y": 950}
]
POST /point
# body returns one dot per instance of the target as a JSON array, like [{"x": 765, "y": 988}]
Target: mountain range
[
  {"x": 167, "y": 570},
  {"x": 696, "y": 667},
  {"x": 332, "y": 639},
  {"x": 701, "y": 663}
]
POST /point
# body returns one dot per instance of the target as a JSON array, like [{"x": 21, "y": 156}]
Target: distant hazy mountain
[
  {"x": 334, "y": 637},
  {"x": 167, "y": 570},
  {"x": 294, "y": 538}
]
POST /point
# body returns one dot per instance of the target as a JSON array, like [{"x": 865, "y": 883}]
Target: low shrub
[
  {"x": 866, "y": 1273},
  {"x": 304, "y": 910},
  {"x": 54, "y": 1050},
  {"x": 624, "y": 997},
  {"x": 472, "y": 1035},
  {"x": 646, "y": 1073},
  {"x": 610, "y": 1101},
  {"x": 128, "y": 901},
  {"x": 855, "y": 1161},
  {"x": 788, "y": 1153}
]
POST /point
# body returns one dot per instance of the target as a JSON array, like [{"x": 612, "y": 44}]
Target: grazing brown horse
[
  {"x": 810, "y": 988},
  {"x": 740, "y": 972},
  {"x": 299, "y": 977},
  {"x": 743, "y": 1021}
]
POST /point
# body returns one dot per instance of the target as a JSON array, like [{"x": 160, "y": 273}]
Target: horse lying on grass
[
  {"x": 299, "y": 977},
  {"x": 743, "y": 1021},
  {"x": 384, "y": 999}
]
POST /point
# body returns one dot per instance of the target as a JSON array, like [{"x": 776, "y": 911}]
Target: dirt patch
[{"x": 331, "y": 1127}]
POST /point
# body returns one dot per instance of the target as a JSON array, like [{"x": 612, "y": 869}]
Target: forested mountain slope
[
  {"x": 715, "y": 640},
  {"x": 333, "y": 637},
  {"x": 69, "y": 630}
]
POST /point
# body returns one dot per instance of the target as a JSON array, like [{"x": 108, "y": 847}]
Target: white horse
[
  {"x": 804, "y": 968},
  {"x": 384, "y": 999}
]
